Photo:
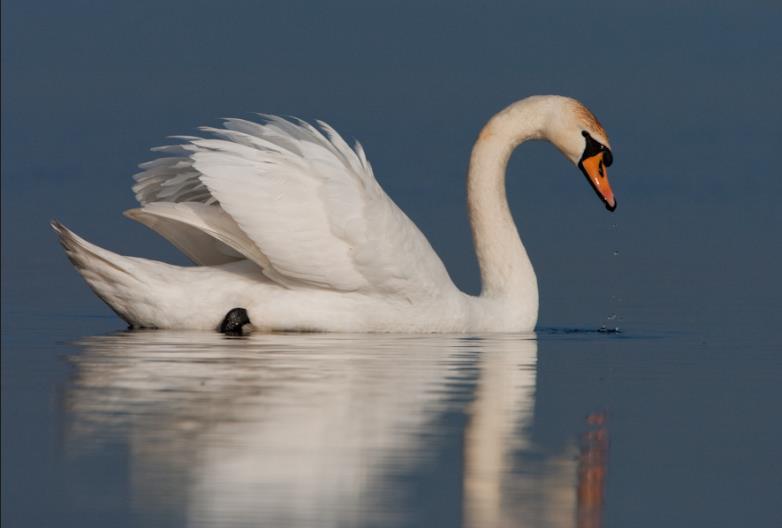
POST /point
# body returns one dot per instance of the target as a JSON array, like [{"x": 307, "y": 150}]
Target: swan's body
[{"x": 288, "y": 222}]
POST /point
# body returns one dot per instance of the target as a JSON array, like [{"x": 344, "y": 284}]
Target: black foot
[{"x": 234, "y": 321}]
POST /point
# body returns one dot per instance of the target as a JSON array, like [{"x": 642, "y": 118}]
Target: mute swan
[{"x": 286, "y": 222}]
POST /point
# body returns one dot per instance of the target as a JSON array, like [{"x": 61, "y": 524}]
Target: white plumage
[
  {"x": 301, "y": 204},
  {"x": 288, "y": 221}
]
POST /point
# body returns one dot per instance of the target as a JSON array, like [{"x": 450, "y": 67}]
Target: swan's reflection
[
  {"x": 319, "y": 430},
  {"x": 497, "y": 494}
]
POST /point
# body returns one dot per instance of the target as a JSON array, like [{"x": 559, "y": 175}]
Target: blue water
[
  {"x": 650, "y": 394},
  {"x": 158, "y": 428}
]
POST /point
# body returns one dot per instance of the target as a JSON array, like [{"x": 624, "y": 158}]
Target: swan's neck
[{"x": 506, "y": 271}]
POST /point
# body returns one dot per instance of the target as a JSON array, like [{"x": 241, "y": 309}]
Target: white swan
[{"x": 286, "y": 221}]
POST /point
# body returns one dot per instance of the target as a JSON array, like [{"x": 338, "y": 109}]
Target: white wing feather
[
  {"x": 195, "y": 229},
  {"x": 308, "y": 202}
]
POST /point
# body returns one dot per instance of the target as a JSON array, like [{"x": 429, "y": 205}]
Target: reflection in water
[
  {"x": 326, "y": 430},
  {"x": 543, "y": 492},
  {"x": 592, "y": 471},
  {"x": 497, "y": 494}
]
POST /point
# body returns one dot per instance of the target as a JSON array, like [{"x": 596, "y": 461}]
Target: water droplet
[{"x": 616, "y": 253}]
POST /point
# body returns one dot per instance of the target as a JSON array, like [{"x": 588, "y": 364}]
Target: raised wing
[{"x": 309, "y": 203}]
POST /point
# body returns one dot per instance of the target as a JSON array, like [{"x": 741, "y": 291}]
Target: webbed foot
[{"x": 234, "y": 321}]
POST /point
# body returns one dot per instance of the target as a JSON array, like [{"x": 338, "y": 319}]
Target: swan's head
[{"x": 578, "y": 134}]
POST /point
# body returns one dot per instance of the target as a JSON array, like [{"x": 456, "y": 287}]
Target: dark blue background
[{"x": 689, "y": 93}]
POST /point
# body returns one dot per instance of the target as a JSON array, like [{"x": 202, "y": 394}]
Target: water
[
  {"x": 650, "y": 395},
  {"x": 569, "y": 428}
]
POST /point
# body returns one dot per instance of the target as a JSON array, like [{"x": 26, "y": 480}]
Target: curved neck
[{"x": 505, "y": 267}]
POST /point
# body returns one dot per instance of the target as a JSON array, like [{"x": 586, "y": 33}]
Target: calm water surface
[{"x": 568, "y": 428}]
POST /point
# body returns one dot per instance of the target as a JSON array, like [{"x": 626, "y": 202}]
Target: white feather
[{"x": 308, "y": 202}]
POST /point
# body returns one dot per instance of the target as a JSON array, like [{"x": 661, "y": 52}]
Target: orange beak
[{"x": 594, "y": 168}]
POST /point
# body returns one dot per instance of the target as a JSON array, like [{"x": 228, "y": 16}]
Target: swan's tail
[
  {"x": 151, "y": 294},
  {"x": 116, "y": 279}
]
